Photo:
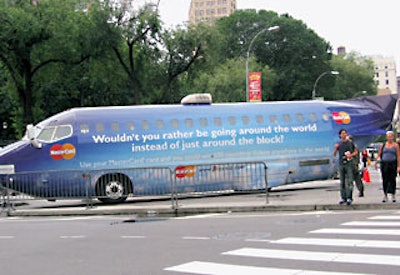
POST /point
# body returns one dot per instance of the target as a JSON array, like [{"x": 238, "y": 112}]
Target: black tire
[{"x": 113, "y": 188}]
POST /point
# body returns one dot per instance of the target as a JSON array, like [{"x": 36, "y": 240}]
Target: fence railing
[{"x": 115, "y": 185}]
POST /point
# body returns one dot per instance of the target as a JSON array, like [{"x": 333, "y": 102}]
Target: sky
[{"x": 365, "y": 26}]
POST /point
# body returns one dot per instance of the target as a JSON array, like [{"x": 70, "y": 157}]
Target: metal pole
[
  {"x": 319, "y": 77},
  {"x": 248, "y": 57},
  {"x": 266, "y": 183},
  {"x": 174, "y": 196}
]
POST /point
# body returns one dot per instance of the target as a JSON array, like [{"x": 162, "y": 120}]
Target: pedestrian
[
  {"x": 356, "y": 168},
  {"x": 364, "y": 155},
  {"x": 373, "y": 155},
  {"x": 345, "y": 148},
  {"x": 398, "y": 142},
  {"x": 389, "y": 159}
]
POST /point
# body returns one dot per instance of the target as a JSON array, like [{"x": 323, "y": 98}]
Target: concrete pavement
[{"x": 309, "y": 196}]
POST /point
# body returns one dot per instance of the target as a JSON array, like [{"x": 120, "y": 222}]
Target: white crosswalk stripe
[
  {"x": 382, "y": 226},
  {"x": 384, "y": 218},
  {"x": 355, "y": 231},
  {"x": 339, "y": 242},
  {"x": 223, "y": 269},
  {"x": 373, "y": 224},
  {"x": 317, "y": 256}
]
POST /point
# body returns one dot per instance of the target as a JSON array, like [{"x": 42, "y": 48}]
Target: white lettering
[{"x": 115, "y": 139}]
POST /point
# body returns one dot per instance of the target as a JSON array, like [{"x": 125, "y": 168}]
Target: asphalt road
[{"x": 316, "y": 242}]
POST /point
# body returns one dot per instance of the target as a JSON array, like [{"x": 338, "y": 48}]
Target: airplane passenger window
[
  {"x": 232, "y": 120},
  {"x": 245, "y": 120},
  {"x": 189, "y": 122},
  {"x": 145, "y": 125},
  {"x": 300, "y": 117},
  {"x": 286, "y": 118},
  {"x": 325, "y": 117},
  {"x": 99, "y": 127},
  {"x": 313, "y": 117},
  {"x": 273, "y": 119},
  {"x": 175, "y": 123},
  {"x": 160, "y": 124},
  {"x": 84, "y": 128},
  {"x": 203, "y": 122},
  {"x": 130, "y": 126},
  {"x": 115, "y": 126},
  {"x": 217, "y": 121},
  {"x": 260, "y": 119}
]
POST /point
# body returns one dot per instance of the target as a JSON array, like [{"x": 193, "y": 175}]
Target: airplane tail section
[{"x": 384, "y": 105}]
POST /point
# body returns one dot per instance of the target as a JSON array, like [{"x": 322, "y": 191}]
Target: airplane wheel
[{"x": 113, "y": 188}]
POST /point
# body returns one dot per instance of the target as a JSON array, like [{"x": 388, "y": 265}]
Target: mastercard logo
[
  {"x": 185, "y": 171},
  {"x": 341, "y": 117},
  {"x": 66, "y": 151}
]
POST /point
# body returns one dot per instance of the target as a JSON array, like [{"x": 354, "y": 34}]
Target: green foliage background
[{"x": 60, "y": 54}]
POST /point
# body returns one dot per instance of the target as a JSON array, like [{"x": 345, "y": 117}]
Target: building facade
[
  {"x": 209, "y": 11},
  {"x": 385, "y": 74}
]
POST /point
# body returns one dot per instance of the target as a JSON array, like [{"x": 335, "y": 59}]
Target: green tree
[
  {"x": 356, "y": 76},
  {"x": 34, "y": 35},
  {"x": 140, "y": 32},
  {"x": 186, "y": 53},
  {"x": 295, "y": 53},
  {"x": 7, "y": 132},
  {"x": 227, "y": 80}
]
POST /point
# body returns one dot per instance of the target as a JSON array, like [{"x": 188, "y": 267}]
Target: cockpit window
[
  {"x": 46, "y": 134},
  {"x": 54, "y": 133}
]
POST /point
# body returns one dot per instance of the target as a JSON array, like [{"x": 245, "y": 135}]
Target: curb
[{"x": 185, "y": 211}]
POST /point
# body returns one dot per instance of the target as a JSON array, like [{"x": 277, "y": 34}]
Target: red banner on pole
[{"x": 255, "y": 94}]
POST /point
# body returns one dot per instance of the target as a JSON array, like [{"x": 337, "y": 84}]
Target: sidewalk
[{"x": 309, "y": 196}]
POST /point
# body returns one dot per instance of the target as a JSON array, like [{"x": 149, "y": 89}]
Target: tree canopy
[{"x": 59, "y": 54}]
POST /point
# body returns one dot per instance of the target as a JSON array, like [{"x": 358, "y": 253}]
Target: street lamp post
[
  {"x": 319, "y": 77},
  {"x": 248, "y": 56}
]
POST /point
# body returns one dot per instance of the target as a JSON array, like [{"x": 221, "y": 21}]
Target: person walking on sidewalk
[
  {"x": 364, "y": 158},
  {"x": 345, "y": 148},
  {"x": 389, "y": 159},
  {"x": 356, "y": 168}
]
